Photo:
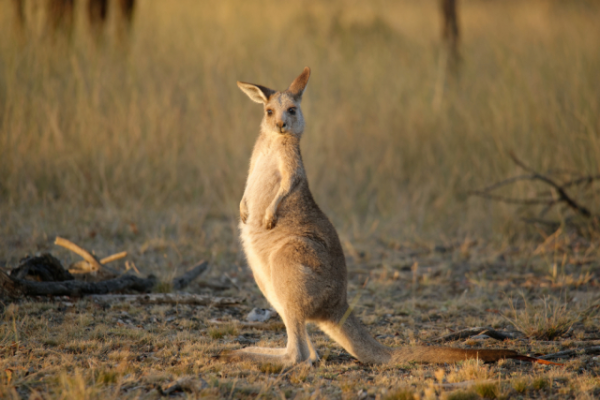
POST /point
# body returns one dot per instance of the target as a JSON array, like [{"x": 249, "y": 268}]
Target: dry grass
[
  {"x": 144, "y": 147},
  {"x": 546, "y": 321},
  {"x": 162, "y": 122}
]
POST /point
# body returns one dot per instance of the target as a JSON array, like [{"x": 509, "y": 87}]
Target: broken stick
[
  {"x": 570, "y": 353},
  {"x": 467, "y": 333},
  {"x": 87, "y": 256},
  {"x": 187, "y": 278}
]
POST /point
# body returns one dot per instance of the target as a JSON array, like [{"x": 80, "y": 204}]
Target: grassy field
[{"x": 144, "y": 145}]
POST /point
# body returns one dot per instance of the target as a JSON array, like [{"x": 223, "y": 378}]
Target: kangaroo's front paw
[
  {"x": 243, "y": 211},
  {"x": 270, "y": 220}
]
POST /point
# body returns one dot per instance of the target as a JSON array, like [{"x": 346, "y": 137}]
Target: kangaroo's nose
[{"x": 282, "y": 126}]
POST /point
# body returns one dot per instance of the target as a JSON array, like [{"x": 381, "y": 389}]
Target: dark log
[
  {"x": 44, "y": 268},
  {"x": 187, "y": 278},
  {"x": 74, "y": 288},
  {"x": 8, "y": 287}
]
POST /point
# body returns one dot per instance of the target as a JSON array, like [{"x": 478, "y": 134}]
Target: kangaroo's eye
[
  {"x": 269, "y": 112},
  {"x": 292, "y": 110}
]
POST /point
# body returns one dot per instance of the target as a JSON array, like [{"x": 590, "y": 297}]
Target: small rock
[
  {"x": 245, "y": 339},
  {"x": 259, "y": 315}
]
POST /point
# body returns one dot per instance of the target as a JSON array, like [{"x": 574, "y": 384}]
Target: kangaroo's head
[{"x": 282, "y": 109}]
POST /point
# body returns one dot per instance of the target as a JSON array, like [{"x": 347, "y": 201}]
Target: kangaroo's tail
[{"x": 353, "y": 337}]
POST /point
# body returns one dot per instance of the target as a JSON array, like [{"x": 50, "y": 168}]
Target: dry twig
[
  {"x": 187, "y": 278},
  {"x": 466, "y": 333},
  {"x": 93, "y": 264},
  {"x": 570, "y": 353}
]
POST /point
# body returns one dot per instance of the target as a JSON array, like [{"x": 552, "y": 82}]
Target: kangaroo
[{"x": 295, "y": 253}]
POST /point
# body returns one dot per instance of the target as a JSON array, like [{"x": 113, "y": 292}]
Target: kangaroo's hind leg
[
  {"x": 298, "y": 348},
  {"x": 313, "y": 355},
  {"x": 287, "y": 291}
]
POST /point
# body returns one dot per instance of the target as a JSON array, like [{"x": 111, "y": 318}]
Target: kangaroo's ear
[
  {"x": 257, "y": 93},
  {"x": 297, "y": 87}
]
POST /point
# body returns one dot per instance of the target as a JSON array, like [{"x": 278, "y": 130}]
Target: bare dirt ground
[{"x": 406, "y": 292}]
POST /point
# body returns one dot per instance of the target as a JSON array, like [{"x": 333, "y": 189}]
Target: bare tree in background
[
  {"x": 61, "y": 15},
  {"x": 19, "y": 15},
  {"x": 451, "y": 32},
  {"x": 97, "y": 13},
  {"x": 449, "y": 60}
]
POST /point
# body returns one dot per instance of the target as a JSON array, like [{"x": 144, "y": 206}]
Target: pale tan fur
[{"x": 294, "y": 251}]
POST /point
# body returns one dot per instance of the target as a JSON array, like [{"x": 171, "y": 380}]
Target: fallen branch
[
  {"x": 467, "y": 333},
  {"x": 74, "y": 288},
  {"x": 187, "y": 278},
  {"x": 570, "y": 353},
  {"x": 169, "y": 298}
]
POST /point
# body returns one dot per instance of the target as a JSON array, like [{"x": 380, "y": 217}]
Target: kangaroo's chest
[{"x": 262, "y": 185}]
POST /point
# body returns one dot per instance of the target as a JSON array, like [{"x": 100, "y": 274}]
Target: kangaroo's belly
[{"x": 257, "y": 256}]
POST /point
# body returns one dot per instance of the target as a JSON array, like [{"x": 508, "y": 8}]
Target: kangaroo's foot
[{"x": 265, "y": 355}]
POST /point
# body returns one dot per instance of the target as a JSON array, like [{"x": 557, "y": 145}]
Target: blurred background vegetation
[{"x": 394, "y": 141}]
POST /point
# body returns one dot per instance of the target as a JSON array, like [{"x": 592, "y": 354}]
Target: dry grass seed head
[
  {"x": 400, "y": 394},
  {"x": 520, "y": 384},
  {"x": 487, "y": 390},
  {"x": 461, "y": 395},
  {"x": 547, "y": 321},
  {"x": 469, "y": 370}
]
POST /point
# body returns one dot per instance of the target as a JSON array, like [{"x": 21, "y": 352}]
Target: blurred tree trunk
[
  {"x": 97, "y": 13},
  {"x": 19, "y": 9},
  {"x": 61, "y": 15},
  {"x": 125, "y": 19},
  {"x": 451, "y": 32}
]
